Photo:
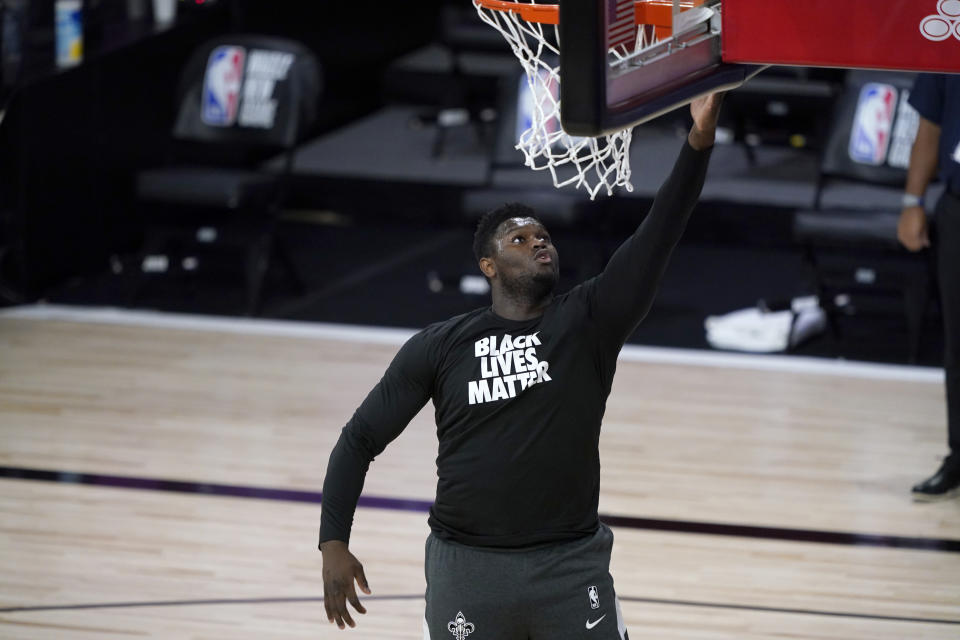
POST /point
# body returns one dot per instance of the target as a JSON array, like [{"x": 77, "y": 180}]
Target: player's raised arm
[
  {"x": 626, "y": 288},
  {"x": 705, "y": 112},
  {"x": 389, "y": 407}
]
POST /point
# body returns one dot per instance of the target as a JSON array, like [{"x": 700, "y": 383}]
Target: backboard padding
[{"x": 868, "y": 34}]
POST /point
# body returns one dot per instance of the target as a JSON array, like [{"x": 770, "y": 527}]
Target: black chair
[
  {"x": 241, "y": 99},
  {"x": 850, "y": 234},
  {"x": 458, "y": 76}
]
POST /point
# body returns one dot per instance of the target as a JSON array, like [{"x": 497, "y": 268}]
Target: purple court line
[
  {"x": 203, "y": 488},
  {"x": 190, "y": 603},
  {"x": 681, "y": 603},
  {"x": 423, "y": 506},
  {"x": 807, "y": 612}
]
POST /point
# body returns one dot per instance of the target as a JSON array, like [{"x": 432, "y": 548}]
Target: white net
[{"x": 593, "y": 164}]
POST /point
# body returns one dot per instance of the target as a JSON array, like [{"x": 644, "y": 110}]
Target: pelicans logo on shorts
[
  {"x": 221, "y": 86},
  {"x": 459, "y": 627}
]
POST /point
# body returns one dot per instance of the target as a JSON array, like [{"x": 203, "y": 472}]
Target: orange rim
[
  {"x": 658, "y": 13},
  {"x": 539, "y": 13}
]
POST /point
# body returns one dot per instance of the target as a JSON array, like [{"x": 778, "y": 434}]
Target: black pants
[
  {"x": 948, "y": 273},
  {"x": 557, "y": 592}
]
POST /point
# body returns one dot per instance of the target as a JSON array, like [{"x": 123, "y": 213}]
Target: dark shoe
[{"x": 944, "y": 484}]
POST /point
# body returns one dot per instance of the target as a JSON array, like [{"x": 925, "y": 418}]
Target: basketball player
[
  {"x": 937, "y": 99},
  {"x": 516, "y": 549}
]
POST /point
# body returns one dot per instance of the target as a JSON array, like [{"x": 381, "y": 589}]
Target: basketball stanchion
[{"x": 919, "y": 35}]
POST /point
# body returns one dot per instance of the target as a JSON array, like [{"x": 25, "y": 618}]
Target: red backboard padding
[{"x": 872, "y": 34}]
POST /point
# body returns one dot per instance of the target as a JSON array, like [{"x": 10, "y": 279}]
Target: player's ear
[{"x": 487, "y": 267}]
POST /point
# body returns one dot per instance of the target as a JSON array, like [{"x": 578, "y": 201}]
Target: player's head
[{"x": 515, "y": 251}]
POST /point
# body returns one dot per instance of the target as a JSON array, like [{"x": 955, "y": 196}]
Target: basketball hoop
[{"x": 639, "y": 32}]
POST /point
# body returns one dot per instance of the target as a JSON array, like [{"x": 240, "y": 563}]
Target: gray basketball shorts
[{"x": 556, "y": 592}]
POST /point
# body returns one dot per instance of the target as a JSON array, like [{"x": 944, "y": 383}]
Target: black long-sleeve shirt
[{"x": 518, "y": 403}]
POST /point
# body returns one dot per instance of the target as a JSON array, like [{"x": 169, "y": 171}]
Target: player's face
[{"x": 525, "y": 252}]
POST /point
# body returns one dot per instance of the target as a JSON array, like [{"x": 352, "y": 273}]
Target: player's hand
[
  {"x": 340, "y": 569},
  {"x": 705, "y": 111},
  {"x": 912, "y": 229}
]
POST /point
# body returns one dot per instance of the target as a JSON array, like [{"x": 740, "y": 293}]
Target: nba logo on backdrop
[
  {"x": 221, "y": 86},
  {"x": 872, "y": 124}
]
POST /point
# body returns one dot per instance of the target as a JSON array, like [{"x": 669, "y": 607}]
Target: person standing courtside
[
  {"x": 516, "y": 549},
  {"x": 937, "y": 99}
]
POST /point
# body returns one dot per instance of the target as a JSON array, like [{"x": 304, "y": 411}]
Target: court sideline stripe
[
  {"x": 318, "y": 599},
  {"x": 393, "y": 336},
  {"x": 423, "y": 506}
]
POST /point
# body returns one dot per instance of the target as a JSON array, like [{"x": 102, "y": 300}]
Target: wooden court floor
[{"x": 160, "y": 478}]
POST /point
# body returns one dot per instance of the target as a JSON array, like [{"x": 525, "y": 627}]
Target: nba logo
[
  {"x": 594, "y": 598},
  {"x": 221, "y": 86},
  {"x": 536, "y": 100},
  {"x": 870, "y": 135}
]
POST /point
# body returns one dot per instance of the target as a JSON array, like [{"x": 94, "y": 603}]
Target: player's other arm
[
  {"x": 626, "y": 288},
  {"x": 394, "y": 401}
]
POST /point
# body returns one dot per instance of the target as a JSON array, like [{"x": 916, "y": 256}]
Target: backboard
[
  {"x": 676, "y": 58},
  {"x": 599, "y": 68},
  {"x": 718, "y": 44}
]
